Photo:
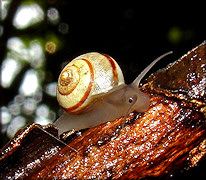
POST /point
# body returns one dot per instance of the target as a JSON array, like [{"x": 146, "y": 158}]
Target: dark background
[{"x": 134, "y": 34}]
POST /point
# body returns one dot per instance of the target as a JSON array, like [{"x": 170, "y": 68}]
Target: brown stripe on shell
[
  {"x": 83, "y": 99},
  {"x": 114, "y": 68}
]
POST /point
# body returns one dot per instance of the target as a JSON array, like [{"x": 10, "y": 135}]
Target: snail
[{"x": 92, "y": 91}]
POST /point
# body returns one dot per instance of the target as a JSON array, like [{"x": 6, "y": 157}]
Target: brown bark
[{"x": 170, "y": 136}]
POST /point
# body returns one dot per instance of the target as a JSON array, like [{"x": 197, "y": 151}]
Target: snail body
[{"x": 92, "y": 91}]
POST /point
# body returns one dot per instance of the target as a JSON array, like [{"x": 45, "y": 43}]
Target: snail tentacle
[{"x": 145, "y": 71}]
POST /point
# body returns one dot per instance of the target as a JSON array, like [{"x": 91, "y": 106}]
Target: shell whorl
[{"x": 85, "y": 77}]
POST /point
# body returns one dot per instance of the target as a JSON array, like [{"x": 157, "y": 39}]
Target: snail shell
[
  {"x": 92, "y": 91},
  {"x": 84, "y": 79}
]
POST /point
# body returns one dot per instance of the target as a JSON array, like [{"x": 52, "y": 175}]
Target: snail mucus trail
[{"x": 91, "y": 90}]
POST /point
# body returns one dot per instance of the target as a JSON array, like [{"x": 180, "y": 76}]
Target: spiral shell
[{"x": 85, "y": 77}]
